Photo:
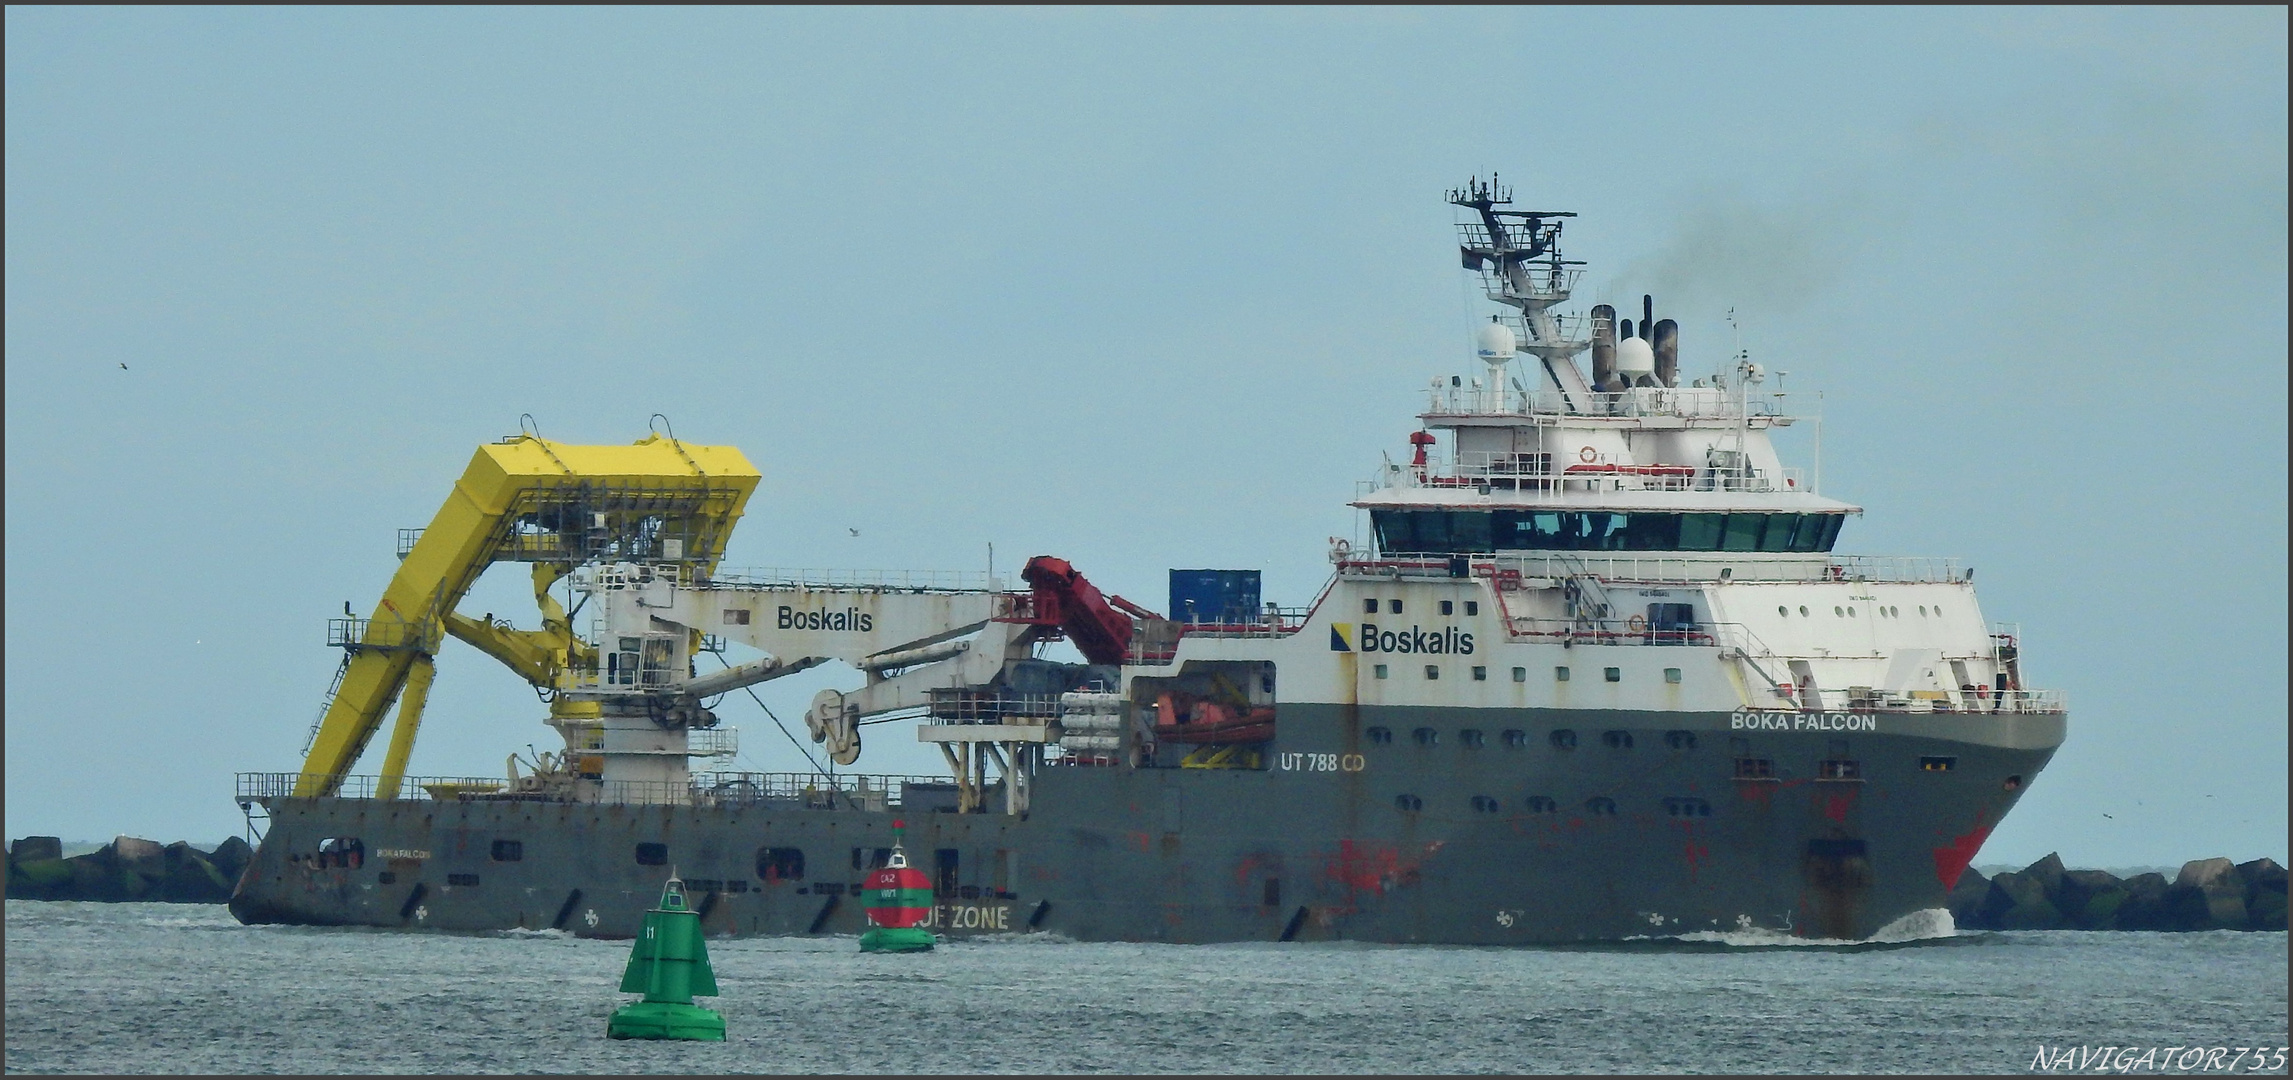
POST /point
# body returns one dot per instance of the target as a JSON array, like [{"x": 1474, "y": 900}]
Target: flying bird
[
  {"x": 123, "y": 366},
  {"x": 853, "y": 531}
]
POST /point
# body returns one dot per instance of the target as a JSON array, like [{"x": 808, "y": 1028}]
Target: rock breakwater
[
  {"x": 2208, "y": 894},
  {"x": 128, "y": 868}
]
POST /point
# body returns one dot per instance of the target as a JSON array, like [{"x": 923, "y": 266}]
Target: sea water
[{"x": 142, "y": 988}]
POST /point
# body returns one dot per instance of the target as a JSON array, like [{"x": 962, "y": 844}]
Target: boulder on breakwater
[
  {"x": 2208, "y": 894},
  {"x": 128, "y": 868}
]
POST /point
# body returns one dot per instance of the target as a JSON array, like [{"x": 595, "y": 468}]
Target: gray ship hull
[{"x": 1650, "y": 824}]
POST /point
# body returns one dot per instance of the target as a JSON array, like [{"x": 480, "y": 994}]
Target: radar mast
[{"x": 1518, "y": 255}]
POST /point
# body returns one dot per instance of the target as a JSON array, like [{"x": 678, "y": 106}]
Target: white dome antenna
[
  {"x": 1494, "y": 343},
  {"x": 1635, "y": 360}
]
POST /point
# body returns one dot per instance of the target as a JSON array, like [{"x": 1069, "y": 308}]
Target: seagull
[
  {"x": 2108, "y": 816},
  {"x": 854, "y": 532},
  {"x": 123, "y": 366}
]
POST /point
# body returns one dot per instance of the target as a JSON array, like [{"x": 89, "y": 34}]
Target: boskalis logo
[
  {"x": 847, "y": 619},
  {"x": 1416, "y": 639}
]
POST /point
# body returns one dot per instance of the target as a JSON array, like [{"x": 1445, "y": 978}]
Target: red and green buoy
[
  {"x": 898, "y": 901},
  {"x": 668, "y": 964}
]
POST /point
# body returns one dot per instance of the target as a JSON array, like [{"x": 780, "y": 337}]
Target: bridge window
[
  {"x": 1380, "y": 671},
  {"x": 1448, "y": 608},
  {"x": 462, "y": 879},
  {"x": 1520, "y": 674},
  {"x": 1467, "y": 531},
  {"x": 1671, "y": 674},
  {"x": 1839, "y": 769},
  {"x": 1369, "y": 605},
  {"x": 1432, "y": 671},
  {"x": 650, "y": 854},
  {"x": 1393, "y": 607},
  {"x": 1472, "y": 607},
  {"x": 1560, "y": 674},
  {"x": 1480, "y": 674},
  {"x": 1755, "y": 769},
  {"x": 1612, "y": 674}
]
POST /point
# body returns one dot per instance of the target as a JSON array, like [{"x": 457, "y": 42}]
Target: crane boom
[{"x": 524, "y": 499}]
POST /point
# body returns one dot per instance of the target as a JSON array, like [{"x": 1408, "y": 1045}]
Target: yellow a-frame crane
[{"x": 524, "y": 499}]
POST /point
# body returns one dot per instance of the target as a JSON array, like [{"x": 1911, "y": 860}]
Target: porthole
[
  {"x": 1850, "y": 612},
  {"x": 1520, "y": 674},
  {"x": 1617, "y": 740},
  {"x": 1379, "y": 671},
  {"x": 1472, "y": 607},
  {"x": 1484, "y": 804},
  {"x": 1426, "y": 736},
  {"x": 1408, "y": 804},
  {"x": 1448, "y": 607},
  {"x": 1803, "y": 610},
  {"x": 1472, "y": 737},
  {"x": 1480, "y": 674},
  {"x": 1600, "y": 806},
  {"x": 1612, "y": 674},
  {"x": 1516, "y": 738},
  {"x": 1393, "y": 607},
  {"x": 1564, "y": 739},
  {"x": 1783, "y": 611},
  {"x": 1922, "y": 611},
  {"x": 1432, "y": 671},
  {"x": 1560, "y": 674},
  {"x": 1671, "y": 674},
  {"x": 1544, "y": 804},
  {"x": 1369, "y": 605},
  {"x": 1838, "y": 612},
  {"x": 1379, "y": 736}
]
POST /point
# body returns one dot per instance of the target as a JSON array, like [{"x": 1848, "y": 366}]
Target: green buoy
[
  {"x": 668, "y": 964},
  {"x": 898, "y": 902}
]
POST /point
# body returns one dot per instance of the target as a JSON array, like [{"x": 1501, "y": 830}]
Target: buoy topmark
[
  {"x": 898, "y": 900},
  {"x": 668, "y": 964}
]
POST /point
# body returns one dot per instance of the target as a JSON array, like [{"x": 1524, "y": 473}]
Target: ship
[{"x": 1594, "y": 671}]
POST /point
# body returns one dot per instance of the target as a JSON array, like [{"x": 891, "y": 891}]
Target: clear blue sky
[{"x": 1143, "y": 289}]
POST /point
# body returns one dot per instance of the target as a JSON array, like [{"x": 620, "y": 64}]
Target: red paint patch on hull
[
  {"x": 1951, "y": 859},
  {"x": 1835, "y": 807}
]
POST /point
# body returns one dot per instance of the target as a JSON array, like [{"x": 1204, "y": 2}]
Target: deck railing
[{"x": 868, "y": 791}]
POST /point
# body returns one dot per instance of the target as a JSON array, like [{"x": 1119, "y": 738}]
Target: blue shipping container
[{"x": 1214, "y": 596}]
